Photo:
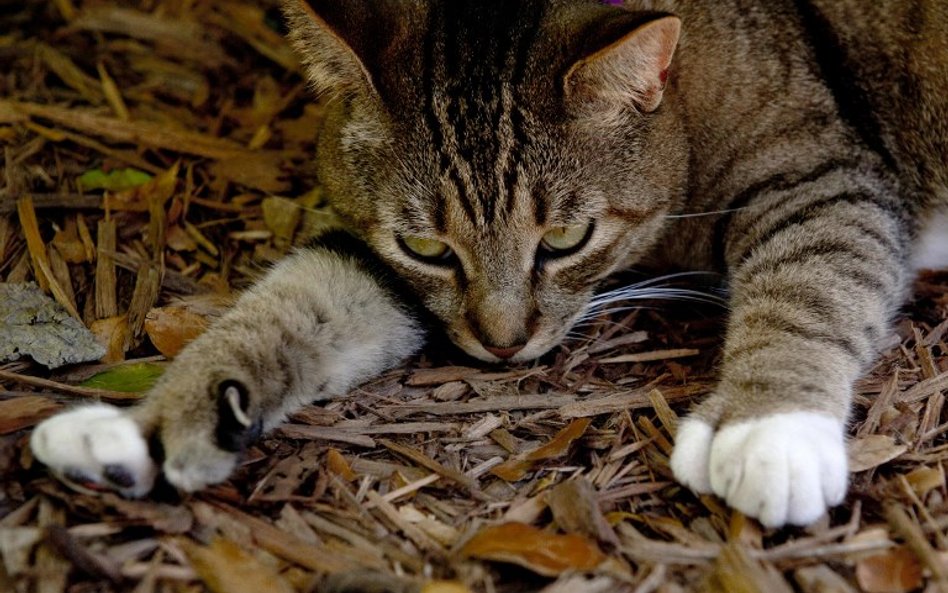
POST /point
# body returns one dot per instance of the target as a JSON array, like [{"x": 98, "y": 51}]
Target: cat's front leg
[
  {"x": 814, "y": 281},
  {"x": 317, "y": 325}
]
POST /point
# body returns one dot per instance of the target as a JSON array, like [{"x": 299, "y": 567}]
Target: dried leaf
[
  {"x": 444, "y": 587},
  {"x": 114, "y": 334},
  {"x": 16, "y": 547},
  {"x": 69, "y": 72},
  {"x": 517, "y": 468},
  {"x": 69, "y": 245},
  {"x": 226, "y": 568},
  {"x": 821, "y": 579},
  {"x": 894, "y": 571},
  {"x": 164, "y": 518},
  {"x": 736, "y": 572},
  {"x": 545, "y": 553},
  {"x": 260, "y": 170},
  {"x": 281, "y": 216},
  {"x": 25, "y": 411},
  {"x": 925, "y": 479},
  {"x": 338, "y": 465},
  {"x": 171, "y": 328},
  {"x": 872, "y": 451},
  {"x": 284, "y": 480},
  {"x": 127, "y": 378},
  {"x": 576, "y": 510},
  {"x": 42, "y": 268}
]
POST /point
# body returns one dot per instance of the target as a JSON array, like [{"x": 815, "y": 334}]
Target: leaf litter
[{"x": 157, "y": 157}]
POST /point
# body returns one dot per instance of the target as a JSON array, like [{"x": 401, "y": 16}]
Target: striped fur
[
  {"x": 816, "y": 129},
  {"x": 795, "y": 144}
]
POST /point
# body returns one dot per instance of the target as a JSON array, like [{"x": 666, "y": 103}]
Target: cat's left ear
[
  {"x": 629, "y": 71},
  {"x": 340, "y": 42}
]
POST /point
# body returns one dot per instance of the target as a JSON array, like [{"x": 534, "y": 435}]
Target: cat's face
[{"x": 496, "y": 163}]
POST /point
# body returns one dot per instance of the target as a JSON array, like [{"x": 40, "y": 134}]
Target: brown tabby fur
[
  {"x": 797, "y": 145},
  {"x": 820, "y": 126}
]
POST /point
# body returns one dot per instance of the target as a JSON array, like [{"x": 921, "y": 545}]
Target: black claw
[
  {"x": 234, "y": 432},
  {"x": 118, "y": 475},
  {"x": 74, "y": 475}
]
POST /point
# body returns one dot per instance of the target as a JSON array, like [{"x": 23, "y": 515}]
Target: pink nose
[{"x": 504, "y": 353}]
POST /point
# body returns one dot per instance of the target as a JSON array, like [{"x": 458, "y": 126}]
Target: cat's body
[{"x": 504, "y": 157}]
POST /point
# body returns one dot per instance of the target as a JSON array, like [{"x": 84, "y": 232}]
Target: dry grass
[{"x": 434, "y": 471}]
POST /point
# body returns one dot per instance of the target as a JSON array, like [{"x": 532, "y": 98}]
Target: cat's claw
[
  {"x": 782, "y": 469},
  {"x": 96, "y": 446}
]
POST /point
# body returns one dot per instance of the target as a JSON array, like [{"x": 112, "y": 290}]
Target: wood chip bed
[{"x": 156, "y": 156}]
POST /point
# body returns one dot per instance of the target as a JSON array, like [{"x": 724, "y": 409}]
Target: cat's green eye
[
  {"x": 566, "y": 240},
  {"x": 430, "y": 250}
]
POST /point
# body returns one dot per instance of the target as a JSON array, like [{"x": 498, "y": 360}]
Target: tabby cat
[{"x": 495, "y": 160}]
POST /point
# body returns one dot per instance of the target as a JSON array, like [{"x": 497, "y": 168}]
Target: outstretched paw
[
  {"x": 96, "y": 446},
  {"x": 785, "y": 468}
]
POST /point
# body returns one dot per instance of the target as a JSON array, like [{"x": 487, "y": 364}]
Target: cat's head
[{"x": 504, "y": 157}]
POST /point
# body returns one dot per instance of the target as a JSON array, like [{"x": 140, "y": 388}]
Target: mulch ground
[{"x": 156, "y": 156}]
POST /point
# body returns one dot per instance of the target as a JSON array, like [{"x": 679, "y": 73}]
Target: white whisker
[
  {"x": 699, "y": 214},
  {"x": 608, "y": 302}
]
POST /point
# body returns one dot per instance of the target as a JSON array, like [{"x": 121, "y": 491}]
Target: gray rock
[{"x": 32, "y": 324}]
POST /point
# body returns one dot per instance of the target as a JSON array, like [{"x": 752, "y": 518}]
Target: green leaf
[
  {"x": 115, "y": 180},
  {"x": 136, "y": 377}
]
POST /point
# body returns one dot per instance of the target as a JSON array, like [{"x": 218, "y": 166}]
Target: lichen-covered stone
[{"x": 32, "y": 324}]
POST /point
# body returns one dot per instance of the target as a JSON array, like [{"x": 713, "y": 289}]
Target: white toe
[
  {"x": 689, "y": 460},
  {"x": 97, "y": 444},
  {"x": 785, "y": 468}
]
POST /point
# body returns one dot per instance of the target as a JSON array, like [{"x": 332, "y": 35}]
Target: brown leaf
[
  {"x": 894, "y": 571},
  {"x": 444, "y": 587},
  {"x": 179, "y": 240},
  {"x": 69, "y": 244},
  {"x": 284, "y": 480},
  {"x": 872, "y": 451},
  {"x": 440, "y": 375},
  {"x": 226, "y": 568},
  {"x": 925, "y": 479},
  {"x": 338, "y": 465},
  {"x": 165, "y": 518},
  {"x": 115, "y": 335},
  {"x": 576, "y": 510},
  {"x": 256, "y": 169},
  {"x": 514, "y": 469},
  {"x": 821, "y": 579},
  {"x": 281, "y": 216},
  {"x": 736, "y": 572},
  {"x": 171, "y": 328},
  {"x": 22, "y": 412},
  {"x": 16, "y": 547},
  {"x": 545, "y": 553}
]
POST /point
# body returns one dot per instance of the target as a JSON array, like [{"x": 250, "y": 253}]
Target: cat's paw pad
[
  {"x": 96, "y": 446},
  {"x": 689, "y": 460},
  {"x": 785, "y": 468}
]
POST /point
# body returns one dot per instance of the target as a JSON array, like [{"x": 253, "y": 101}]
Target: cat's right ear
[
  {"x": 627, "y": 70},
  {"x": 324, "y": 34}
]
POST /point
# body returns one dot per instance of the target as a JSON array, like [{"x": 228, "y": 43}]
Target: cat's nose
[{"x": 504, "y": 353}]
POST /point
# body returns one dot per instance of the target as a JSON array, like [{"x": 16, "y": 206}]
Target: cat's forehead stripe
[{"x": 475, "y": 117}]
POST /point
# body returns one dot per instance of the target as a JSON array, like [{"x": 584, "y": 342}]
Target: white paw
[
  {"x": 785, "y": 468},
  {"x": 96, "y": 445},
  {"x": 689, "y": 460}
]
